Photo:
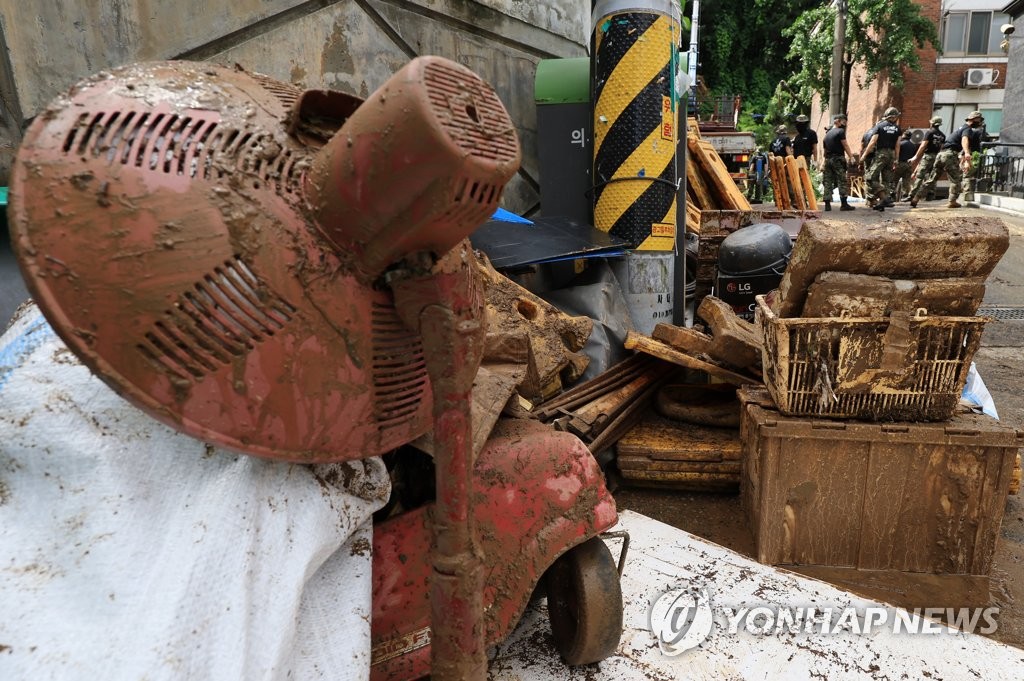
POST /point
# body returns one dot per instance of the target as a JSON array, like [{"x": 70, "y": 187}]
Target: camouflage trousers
[
  {"x": 879, "y": 176},
  {"x": 900, "y": 186},
  {"x": 949, "y": 160},
  {"x": 834, "y": 175},
  {"x": 927, "y": 176}
]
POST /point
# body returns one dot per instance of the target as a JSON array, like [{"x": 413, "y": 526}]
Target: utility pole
[
  {"x": 835, "y": 95},
  {"x": 691, "y": 66}
]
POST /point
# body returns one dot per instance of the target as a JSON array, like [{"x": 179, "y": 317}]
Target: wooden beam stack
[{"x": 791, "y": 181}]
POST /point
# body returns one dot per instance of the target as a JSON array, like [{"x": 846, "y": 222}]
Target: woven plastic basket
[{"x": 899, "y": 368}]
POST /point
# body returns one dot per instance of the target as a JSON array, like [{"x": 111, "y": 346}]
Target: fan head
[{"x": 165, "y": 219}]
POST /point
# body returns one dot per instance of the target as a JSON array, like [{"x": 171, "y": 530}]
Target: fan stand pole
[{"x": 456, "y": 588}]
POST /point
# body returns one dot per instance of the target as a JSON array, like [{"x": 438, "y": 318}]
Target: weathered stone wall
[
  {"x": 349, "y": 45},
  {"x": 1012, "y": 129}
]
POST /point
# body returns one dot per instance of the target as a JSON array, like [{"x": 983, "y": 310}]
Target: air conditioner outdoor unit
[{"x": 980, "y": 77}]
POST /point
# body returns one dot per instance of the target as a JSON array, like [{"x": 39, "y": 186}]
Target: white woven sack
[{"x": 130, "y": 551}]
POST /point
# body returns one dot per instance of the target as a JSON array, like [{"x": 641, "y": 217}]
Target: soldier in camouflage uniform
[
  {"x": 955, "y": 157},
  {"x": 834, "y": 171},
  {"x": 883, "y": 143},
  {"x": 924, "y": 162},
  {"x": 901, "y": 175}
]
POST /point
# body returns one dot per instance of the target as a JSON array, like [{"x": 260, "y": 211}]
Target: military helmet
[
  {"x": 781, "y": 130},
  {"x": 839, "y": 117},
  {"x": 802, "y": 119},
  {"x": 974, "y": 114},
  {"x": 936, "y": 120},
  {"x": 890, "y": 112}
]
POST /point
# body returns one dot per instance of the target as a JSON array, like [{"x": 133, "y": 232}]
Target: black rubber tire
[{"x": 585, "y": 603}]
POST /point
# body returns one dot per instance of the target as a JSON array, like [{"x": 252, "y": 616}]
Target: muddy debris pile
[
  {"x": 876, "y": 321},
  {"x": 669, "y": 425},
  {"x": 857, "y": 455}
]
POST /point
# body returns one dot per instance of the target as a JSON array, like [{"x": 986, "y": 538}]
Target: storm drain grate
[{"x": 1003, "y": 313}]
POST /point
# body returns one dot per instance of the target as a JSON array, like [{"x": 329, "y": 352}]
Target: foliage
[
  {"x": 881, "y": 35},
  {"x": 742, "y": 50}
]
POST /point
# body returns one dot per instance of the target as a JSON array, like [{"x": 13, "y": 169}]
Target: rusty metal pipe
[{"x": 443, "y": 301}]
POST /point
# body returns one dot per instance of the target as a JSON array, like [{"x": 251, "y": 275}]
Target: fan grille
[
  {"x": 222, "y": 316},
  {"x": 197, "y": 146},
  {"x": 471, "y": 113},
  {"x": 399, "y": 368}
]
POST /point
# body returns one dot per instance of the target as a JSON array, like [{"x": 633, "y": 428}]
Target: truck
[{"x": 717, "y": 120}]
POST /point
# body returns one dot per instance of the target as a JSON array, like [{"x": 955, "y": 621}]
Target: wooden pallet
[{"x": 709, "y": 186}]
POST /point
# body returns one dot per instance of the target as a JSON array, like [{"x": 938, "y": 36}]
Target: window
[
  {"x": 953, "y": 116},
  {"x": 970, "y": 33}
]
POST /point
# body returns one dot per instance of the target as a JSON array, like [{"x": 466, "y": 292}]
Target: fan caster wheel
[{"x": 585, "y": 603}]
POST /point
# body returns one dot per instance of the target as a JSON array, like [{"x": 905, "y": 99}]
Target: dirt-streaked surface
[{"x": 1000, "y": 362}]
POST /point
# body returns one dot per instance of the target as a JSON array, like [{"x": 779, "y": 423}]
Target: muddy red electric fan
[{"x": 282, "y": 273}]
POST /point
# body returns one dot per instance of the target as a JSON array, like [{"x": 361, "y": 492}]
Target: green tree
[
  {"x": 881, "y": 35},
  {"x": 741, "y": 50}
]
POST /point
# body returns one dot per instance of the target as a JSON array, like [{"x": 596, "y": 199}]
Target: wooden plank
[
  {"x": 780, "y": 184},
  {"x": 734, "y": 341},
  {"x": 690, "y": 341},
  {"x": 721, "y": 179},
  {"x": 635, "y": 341},
  {"x": 693, "y": 217},
  {"x": 705, "y": 167},
  {"x": 692, "y": 128},
  {"x": 805, "y": 181},
  {"x": 1015, "y": 478},
  {"x": 641, "y": 463},
  {"x": 695, "y": 179},
  {"x": 793, "y": 177},
  {"x": 657, "y": 438}
]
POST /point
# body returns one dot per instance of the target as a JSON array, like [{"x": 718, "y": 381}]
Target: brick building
[{"x": 969, "y": 74}]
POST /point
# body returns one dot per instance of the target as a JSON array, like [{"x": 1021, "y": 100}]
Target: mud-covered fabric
[{"x": 130, "y": 551}]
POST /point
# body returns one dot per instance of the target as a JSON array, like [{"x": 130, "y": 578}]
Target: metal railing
[{"x": 1001, "y": 173}]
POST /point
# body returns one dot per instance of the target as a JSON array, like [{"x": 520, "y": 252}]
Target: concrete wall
[
  {"x": 1013, "y": 100},
  {"x": 349, "y": 45}
]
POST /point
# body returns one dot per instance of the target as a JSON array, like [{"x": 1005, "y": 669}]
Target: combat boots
[
  {"x": 845, "y": 205},
  {"x": 828, "y": 206}
]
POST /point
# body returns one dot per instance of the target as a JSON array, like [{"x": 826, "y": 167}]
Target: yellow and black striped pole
[{"x": 634, "y": 52}]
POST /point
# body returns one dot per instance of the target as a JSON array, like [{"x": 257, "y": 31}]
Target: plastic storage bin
[
  {"x": 909, "y": 368},
  {"x": 911, "y": 497}
]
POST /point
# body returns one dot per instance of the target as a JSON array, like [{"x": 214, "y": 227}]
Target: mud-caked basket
[{"x": 905, "y": 367}]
